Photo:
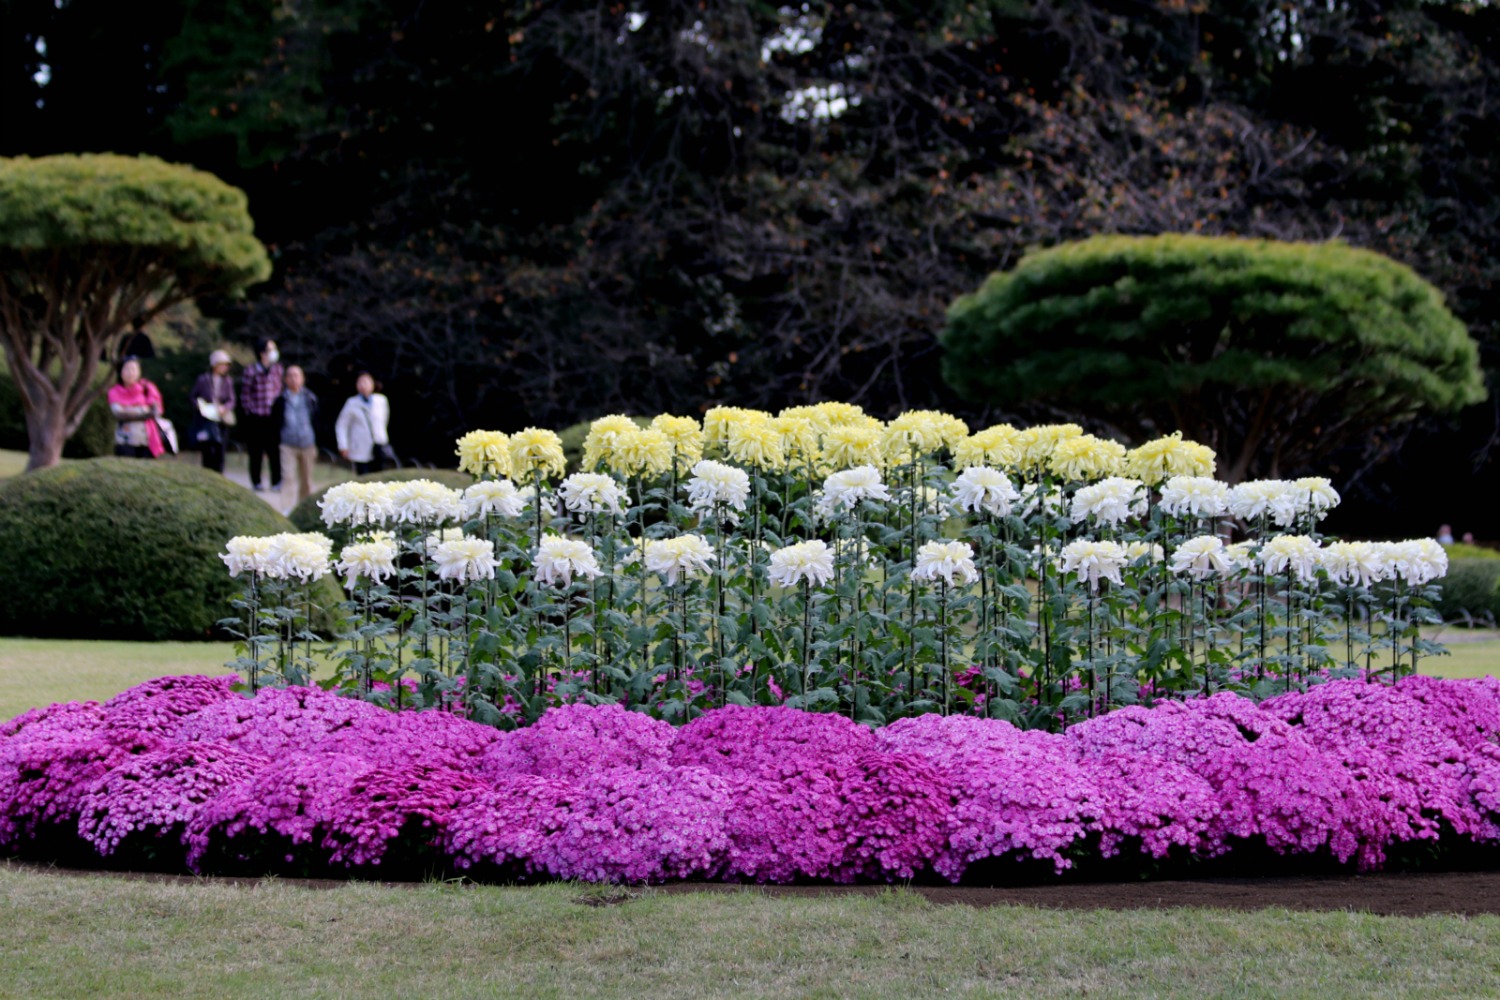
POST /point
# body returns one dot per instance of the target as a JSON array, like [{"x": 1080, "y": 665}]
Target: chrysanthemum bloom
[
  {"x": 422, "y": 501},
  {"x": 598, "y": 444},
  {"x": 950, "y": 562},
  {"x": 1316, "y": 495},
  {"x": 493, "y": 496},
  {"x": 799, "y": 440},
  {"x": 536, "y": 450},
  {"x": 466, "y": 560},
  {"x": 436, "y": 538},
  {"x": 1297, "y": 553},
  {"x": 586, "y": 493},
  {"x": 246, "y": 554},
  {"x": 686, "y": 437},
  {"x": 756, "y": 442},
  {"x": 1273, "y": 498},
  {"x": 1201, "y": 558},
  {"x": 1093, "y": 561},
  {"x": 1197, "y": 496},
  {"x": 921, "y": 432},
  {"x": 358, "y": 504},
  {"x": 558, "y": 559},
  {"x": 1110, "y": 501},
  {"x": 1361, "y": 563},
  {"x": 843, "y": 491},
  {"x": 994, "y": 446},
  {"x": 1034, "y": 500},
  {"x": 642, "y": 452},
  {"x": 978, "y": 488},
  {"x": 374, "y": 561},
  {"x": 810, "y": 562},
  {"x": 1149, "y": 551},
  {"x": 834, "y": 414},
  {"x": 527, "y": 496},
  {"x": 484, "y": 453},
  {"x": 302, "y": 556},
  {"x": 1086, "y": 458},
  {"x": 682, "y": 556},
  {"x": 715, "y": 486},
  {"x": 1418, "y": 560},
  {"x": 1169, "y": 456},
  {"x": 848, "y": 445},
  {"x": 1241, "y": 555},
  {"x": 1036, "y": 443},
  {"x": 718, "y": 420}
]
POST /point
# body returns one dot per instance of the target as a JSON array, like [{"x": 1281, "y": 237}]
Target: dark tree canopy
[{"x": 1276, "y": 354}]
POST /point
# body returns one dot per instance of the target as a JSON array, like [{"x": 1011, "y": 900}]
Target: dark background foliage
[{"x": 535, "y": 213}]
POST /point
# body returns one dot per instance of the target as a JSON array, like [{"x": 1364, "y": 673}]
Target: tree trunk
[{"x": 47, "y": 428}]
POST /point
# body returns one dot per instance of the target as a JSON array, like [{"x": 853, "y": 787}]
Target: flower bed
[{"x": 182, "y": 772}]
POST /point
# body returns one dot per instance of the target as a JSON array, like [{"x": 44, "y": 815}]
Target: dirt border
[{"x": 1395, "y": 894}]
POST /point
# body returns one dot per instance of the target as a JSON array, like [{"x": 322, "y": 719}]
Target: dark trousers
[
  {"x": 133, "y": 451},
  {"x": 213, "y": 455},
  {"x": 375, "y": 464},
  {"x": 262, "y": 438}
]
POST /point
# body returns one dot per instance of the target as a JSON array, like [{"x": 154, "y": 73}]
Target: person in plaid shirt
[{"x": 260, "y": 385}]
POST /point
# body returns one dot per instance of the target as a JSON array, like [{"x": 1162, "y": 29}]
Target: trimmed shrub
[
  {"x": 1463, "y": 550},
  {"x": 308, "y": 517},
  {"x": 1472, "y": 588},
  {"x": 95, "y": 437},
  {"x": 124, "y": 549}
]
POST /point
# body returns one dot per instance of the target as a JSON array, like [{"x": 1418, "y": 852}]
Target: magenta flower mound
[{"x": 300, "y": 779}]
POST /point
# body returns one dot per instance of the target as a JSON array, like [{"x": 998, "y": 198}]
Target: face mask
[{"x": 273, "y": 356}]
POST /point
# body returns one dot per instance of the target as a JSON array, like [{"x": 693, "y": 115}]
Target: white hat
[{"x": 219, "y": 358}]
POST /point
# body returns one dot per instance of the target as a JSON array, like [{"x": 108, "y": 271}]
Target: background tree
[
  {"x": 1275, "y": 354},
  {"x": 92, "y": 245}
]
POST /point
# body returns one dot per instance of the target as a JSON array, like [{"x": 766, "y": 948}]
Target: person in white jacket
[{"x": 361, "y": 426}]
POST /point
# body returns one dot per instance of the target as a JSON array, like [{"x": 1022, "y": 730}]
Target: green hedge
[
  {"x": 308, "y": 517},
  {"x": 1472, "y": 589},
  {"x": 95, "y": 437},
  {"x": 124, "y": 549}
]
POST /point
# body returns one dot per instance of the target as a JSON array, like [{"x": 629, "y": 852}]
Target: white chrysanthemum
[
  {"x": 591, "y": 493},
  {"x": 1297, "y": 553},
  {"x": 1361, "y": 563},
  {"x": 1201, "y": 558},
  {"x": 843, "y": 491},
  {"x": 1419, "y": 561},
  {"x": 466, "y": 560},
  {"x": 436, "y": 538},
  {"x": 1033, "y": 499},
  {"x": 374, "y": 561},
  {"x": 1273, "y": 498},
  {"x": 246, "y": 554},
  {"x": 810, "y": 562},
  {"x": 715, "y": 484},
  {"x": 1316, "y": 495},
  {"x": 493, "y": 496},
  {"x": 1110, "y": 501},
  {"x": 527, "y": 496},
  {"x": 979, "y": 488},
  {"x": 1093, "y": 561},
  {"x": 422, "y": 501},
  {"x": 1197, "y": 496},
  {"x": 1241, "y": 555},
  {"x": 1149, "y": 551},
  {"x": 357, "y": 504},
  {"x": 558, "y": 559},
  {"x": 951, "y": 562},
  {"x": 675, "y": 558},
  {"x": 304, "y": 557}
]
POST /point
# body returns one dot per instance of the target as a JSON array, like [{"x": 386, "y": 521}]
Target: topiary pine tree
[
  {"x": 92, "y": 245},
  {"x": 1275, "y": 354}
]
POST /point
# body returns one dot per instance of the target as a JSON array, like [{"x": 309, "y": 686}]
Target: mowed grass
[{"x": 91, "y": 936}]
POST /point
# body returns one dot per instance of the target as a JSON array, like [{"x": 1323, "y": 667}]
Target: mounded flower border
[{"x": 182, "y": 773}]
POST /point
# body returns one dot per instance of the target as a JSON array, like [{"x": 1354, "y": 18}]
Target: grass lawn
[
  {"x": 40, "y": 671},
  {"x": 90, "y": 936}
]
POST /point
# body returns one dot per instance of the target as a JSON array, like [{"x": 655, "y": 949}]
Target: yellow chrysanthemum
[
  {"x": 598, "y": 446},
  {"x": 799, "y": 439},
  {"x": 642, "y": 452},
  {"x": 686, "y": 437},
  {"x": 1157, "y": 461},
  {"x": 1036, "y": 443},
  {"x": 850, "y": 447},
  {"x": 1086, "y": 458},
  {"x": 536, "y": 450},
  {"x": 718, "y": 420},
  {"x": 756, "y": 441},
  {"x": 841, "y": 415},
  {"x": 914, "y": 432},
  {"x": 994, "y": 447},
  {"x": 484, "y": 453}
]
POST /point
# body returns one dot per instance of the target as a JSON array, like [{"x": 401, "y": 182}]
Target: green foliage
[
  {"x": 94, "y": 438},
  {"x": 308, "y": 517},
  {"x": 125, "y": 549},
  {"x": 1463, "y": 550},
  {"x": 1256, "y": 347},
  {"x": 189, "y": 221},
  {"x": 1471, "y": 589}
]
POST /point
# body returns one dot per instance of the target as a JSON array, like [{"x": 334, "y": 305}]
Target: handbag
[{"x": 168, "y": 433}]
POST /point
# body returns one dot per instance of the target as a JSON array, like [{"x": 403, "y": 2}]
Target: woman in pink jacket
[{"x": 136, "y": 404}]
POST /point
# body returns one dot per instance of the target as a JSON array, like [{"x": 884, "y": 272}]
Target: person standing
[
  {"x": 296, "y": 412},
  {"x": 260, "y": 386},
  {"x": 213, "y": 396},
  {"x": 361, "y": 426},
  {"x": 136, "y": 404}
]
